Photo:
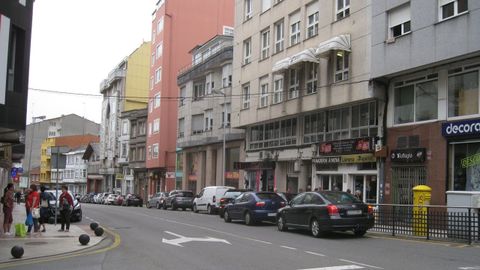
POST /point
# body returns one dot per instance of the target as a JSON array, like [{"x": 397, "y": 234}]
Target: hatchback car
[
  {"x": 157, "y": 200},
  {"x": 227, "y": 198},
  {"x": 179, "y": 199},
  {"x": 253, "y": 207},
  {"x": 133, "y": 200},
  {"x": 325, "y": 211}
]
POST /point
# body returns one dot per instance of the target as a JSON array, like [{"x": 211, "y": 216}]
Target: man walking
[
  {"x": 66, "y": 206},
  {"x": 8, "y": 209}
]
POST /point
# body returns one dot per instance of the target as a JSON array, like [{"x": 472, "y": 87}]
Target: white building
[{"x": 75, "y": 173}]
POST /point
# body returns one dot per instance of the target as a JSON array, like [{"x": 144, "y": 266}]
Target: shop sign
[
  {"x": 461, "y": 128},
  {"x": 351, "y": 146},
  {"x": 360, "y": 158},
  {"x": 119, "y": 176},
  {"x": 326, "y": 160},
  {"x": 252, "y": 166},
  {"x": 470, "y": 161},
  {"x": 232, "y": 175},
  {"x": 413, "y": 155}
]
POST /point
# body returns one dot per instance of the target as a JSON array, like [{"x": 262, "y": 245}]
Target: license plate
[
  {"x": 272, "y": 214},
  {"x": 354, "y": 212}
]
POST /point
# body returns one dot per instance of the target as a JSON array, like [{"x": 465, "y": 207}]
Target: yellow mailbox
[{"x": 421, "y": 197}]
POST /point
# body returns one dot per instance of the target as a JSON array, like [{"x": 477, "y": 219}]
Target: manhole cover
[{"x": 35, "y": 243}]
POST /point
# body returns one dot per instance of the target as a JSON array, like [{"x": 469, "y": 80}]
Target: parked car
[
  {"x": 157, "y": 200},
  {"x": 209, "y": 199},
  {"x": 287, "y": 196},
  {"x": 253, "y": 207},
  {"x": 179, "y": 199},
  {"x": 111, "y": 199},
  {"x": 229, "y": 197},
  {"x": 77, "y": 207},
  {"x": 325, "y": 211},
  {"x": 133, "y": 200},
  {"x": 119, "y": 200}
]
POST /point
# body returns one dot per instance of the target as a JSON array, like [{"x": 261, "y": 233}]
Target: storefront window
[
  {"x": 416, "y": 102},
  {"x": 466, "y": 167},
  {"x": 463, "y": 94},
  {"x": 404, "y": 100}
]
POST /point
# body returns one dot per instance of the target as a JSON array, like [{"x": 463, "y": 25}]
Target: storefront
[
  {"x": 347, "y": 165},
  {"x": 463, "y": 154},
  {"x": 258, "y": 176}
]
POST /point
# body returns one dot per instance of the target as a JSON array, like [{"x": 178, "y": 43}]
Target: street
[{"x": 159, "y": 239}]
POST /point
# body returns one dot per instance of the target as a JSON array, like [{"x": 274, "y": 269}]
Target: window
[
  {"x": 338, "y": 124},
  {"x": 293, "y": 83},
  {"x": 248, "y": 9},
  {"x": 312, "y": 19},
  {"x": 141, "y": 154},
  {"x": 159, "y": 50},
  {"x": 341, "y": 65},
  {"x": 124, "y": 127},
  {"x": 228, "y": 111},
  {"x": 295, "y": 28},
  {"x": 228, "y": 31},
  {"x": 209, "y": 83},
  {"x": 183, "y": 94},
  {"x": 266, "y": 5},
  {"x": 265, "y": 44},
  {"x": 181, "y": 127},
  {"x": 247, "y": 51},
  {"x": 314, "y": 127},
  {"x": 156, "y": 102},
  {"x": 364, "y": 120},
  {"x": 227, "y": 75},
  {"x": 343, "y": 9},
  {"x": 156, "y": 126},
  {"x": 141, "y": 128},
  {"x": 124, "y": 150},
  {"x": 150, "y": 129},
  {"x": 274, "y": 134},
  {"x": 311, "y": 77},
  {"x": 263, "y": 92},
  {"x": 416, "y": 102},
  {"x": 160, "y": 25},
  {"x": 197, "y": 124},
  {"x": 246, "y": 96},
  {"x": 149, "y": 153},
  {"x": 277, "y": 89},
  {"x": 463, "y": 94},
  {"x": 158, "y": 75},
  {"x": 198, "y": 90},
  {"x": 399, "y": 21},
  {"x": 465, "y": 171},
  {"x": 155, "y": 150},
  {"x": 208, "y": 120},
  {"x": 279, "y": 36},
  {"x": 452, "y": 8}
]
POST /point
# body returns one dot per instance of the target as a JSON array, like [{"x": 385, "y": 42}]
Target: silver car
[{"x": 157, "y": 200}]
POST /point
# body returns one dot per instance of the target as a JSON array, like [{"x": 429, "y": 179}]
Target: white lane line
[
  {"x": 315, "y": 253},
  {"x": 340, "y": 267},
  {"x": 366, "y": 265},
  {"x": 287, "y": 247},
  {"x": 470, "y": 268}
]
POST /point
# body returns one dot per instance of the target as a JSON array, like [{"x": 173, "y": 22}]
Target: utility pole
[{"x": 224, "y": 159}]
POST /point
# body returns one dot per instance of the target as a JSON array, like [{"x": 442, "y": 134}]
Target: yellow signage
[{"x": 359, "y": 158}]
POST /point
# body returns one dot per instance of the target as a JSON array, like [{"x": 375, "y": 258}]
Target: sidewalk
[{"x": 44, "y": 244}]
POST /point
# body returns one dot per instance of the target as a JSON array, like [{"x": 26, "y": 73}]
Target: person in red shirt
[
  {"x": 8, "y": 209},
  {"x": 31, "y": 203},
  {"x": 66, "y": 207}
]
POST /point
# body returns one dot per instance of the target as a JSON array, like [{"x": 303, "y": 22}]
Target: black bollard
[
  {"x": 17, "y": 252},
  {"x": 99, "y": 231},
  {"x": 93, "y": 226},
  {"x": 84, "y": 239}
]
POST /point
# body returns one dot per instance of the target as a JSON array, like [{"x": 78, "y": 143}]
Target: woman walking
[
  {"x": 32, "y": 205},
  {"x": 7, "y": 201},
  {"x": 66, "y": 206},
  {"x": 44, "y": 208}
]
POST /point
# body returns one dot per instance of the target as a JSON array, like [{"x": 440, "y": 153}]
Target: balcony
[{"x": 113, "y": 76}]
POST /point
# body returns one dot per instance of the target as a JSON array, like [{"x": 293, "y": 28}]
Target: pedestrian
[
  {"x": 32, "y": 206},
  {"x": 358, "y": 195},
  {"x": 44, "y": 208},
  {"x": 66, "y": 206},
  {"x": 18, "y": 197},
  {"x": 7, "y": 201},
  {"x": 349, "y": 191}
]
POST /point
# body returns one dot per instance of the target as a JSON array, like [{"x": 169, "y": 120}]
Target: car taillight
[
  {"x": 222, "y": 200},
  {"x": 370, "y": 209},
  {"x": 214, "y": 199},
  {"x": 332, "y": 210},
  {"x": 282, "y": 203},
  {"x": 260, "y": 204}
]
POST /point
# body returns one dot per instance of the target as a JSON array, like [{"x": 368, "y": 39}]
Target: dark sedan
[
  {"x": 253, "y": 207},
  {"x": 179, "y": 199},
  {"x": 133, "y": 200},
  {"x": 227, "y": 198},
  {"x": 326, "y": 211}
]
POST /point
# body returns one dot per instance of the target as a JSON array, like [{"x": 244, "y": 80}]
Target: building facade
[
  {"x": 125, "y": 89},
  {"x": 425, "y": 54},
  {"x": 75, "y": 173},
  {"x": 92, "y": 158},
  {"x": 177, "y": 26},
  {"x": 309, "y": 111},
  {"x": 204, "y": 120}
]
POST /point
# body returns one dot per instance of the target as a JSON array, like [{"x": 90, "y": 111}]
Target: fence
[{"x": 428, "y": 222}]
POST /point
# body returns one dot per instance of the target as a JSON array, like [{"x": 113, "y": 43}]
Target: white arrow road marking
[
  {"x": 470, "y": 268},
  {"x": 183, "y": 239},
  {"x": 340, "y": 267}
]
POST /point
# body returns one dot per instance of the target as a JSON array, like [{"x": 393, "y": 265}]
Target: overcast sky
[{"x": 75, "y": 44}]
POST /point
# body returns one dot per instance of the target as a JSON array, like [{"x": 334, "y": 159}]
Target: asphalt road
[{"x": 159, "y": 239}]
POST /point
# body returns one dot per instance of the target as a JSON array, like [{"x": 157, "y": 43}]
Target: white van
[{"x": 209, "y": 199}]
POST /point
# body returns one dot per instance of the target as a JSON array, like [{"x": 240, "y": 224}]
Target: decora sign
[
  {"x": 461, "y": 128},
  {"x": 470, "y": 161},
  {"x": 414, "y": 155}
]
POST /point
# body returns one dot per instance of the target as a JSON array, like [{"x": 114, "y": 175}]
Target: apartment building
[
  {"x": 425, "y": 54},
  {"x": 177, "y": 26},
  {"x": 308, "y": 108},
  {"x": 92, "y": 158},
  {"x": 204, "y": 119},
  {"x": 75, "y": 172}
]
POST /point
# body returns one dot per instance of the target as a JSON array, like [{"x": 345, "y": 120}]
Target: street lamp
[
  {"x": 42, "y": 117},
  {"x": 224, "y": 132}
]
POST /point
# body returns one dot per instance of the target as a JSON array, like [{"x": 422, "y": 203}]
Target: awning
[
  {"x": 341, "y": 42},
  {"x": 307, "y": 55}
]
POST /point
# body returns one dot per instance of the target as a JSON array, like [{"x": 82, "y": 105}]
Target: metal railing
[{"x": 428, "y": 222}]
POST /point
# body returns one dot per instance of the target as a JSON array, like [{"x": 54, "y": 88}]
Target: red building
[{"x": 177, "y": 27}]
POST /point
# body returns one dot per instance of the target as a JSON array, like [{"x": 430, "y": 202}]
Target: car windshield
[
  {"x": 232, "y": 194},
  {"x": 185, "y": 194},
  {"x": 269, "y": 196},
  {"x": 340, "y": 197}
]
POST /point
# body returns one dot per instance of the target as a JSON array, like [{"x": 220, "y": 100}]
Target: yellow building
[
  {"x": 137, "y": 78},
  {"x": 45, "y": 160}
]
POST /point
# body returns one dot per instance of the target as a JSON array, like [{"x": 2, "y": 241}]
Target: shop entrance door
[
  {"x": 292, "y": 184},
  {"x": 403, "y": 181},
  {"x": 332, "y": 182}
]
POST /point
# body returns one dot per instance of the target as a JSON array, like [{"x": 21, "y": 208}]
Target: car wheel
[
  {"x": 315, "y": 228},
  {"x": 248, "y": 219},
  {"x": 174, "y": 206},
  {"x": 221, "y": 214},
  {"x": 226, "y": 217},
  {"x": 281, "y": 224},
  {"x": 195, "y": 210},
  {"x": 210, "y": 210},
  {"x": 359, "y": 232}
]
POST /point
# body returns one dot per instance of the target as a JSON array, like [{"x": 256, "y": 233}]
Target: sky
[{"x": 75, "y": 44}]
